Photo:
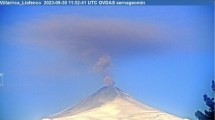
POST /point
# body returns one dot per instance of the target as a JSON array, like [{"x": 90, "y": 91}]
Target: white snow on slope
[{"x": 110, "y": 103}]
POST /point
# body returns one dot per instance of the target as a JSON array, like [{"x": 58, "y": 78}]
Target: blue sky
[{"x": 161, "y": 55}]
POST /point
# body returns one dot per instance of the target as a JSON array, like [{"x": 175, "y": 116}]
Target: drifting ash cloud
[{"x": 89, "y": 39}]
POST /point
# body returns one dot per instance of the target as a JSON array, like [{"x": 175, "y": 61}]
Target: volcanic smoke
[{"x": 103, "y": 66}]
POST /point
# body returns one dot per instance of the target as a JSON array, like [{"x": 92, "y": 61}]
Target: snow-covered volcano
[{"x": 110, "y": 103}]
